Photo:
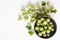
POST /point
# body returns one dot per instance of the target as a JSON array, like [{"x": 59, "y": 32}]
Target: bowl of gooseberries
[{"x": 45, "y": 27}]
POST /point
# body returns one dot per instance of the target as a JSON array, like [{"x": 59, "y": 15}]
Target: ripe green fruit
[
  {"x": 48, "y": 31},
  {"x": 36, "y": 28},
  {"x": 40, "y": 34},
  {"x": 48, "y": 20},
  {"x": 43, "y": 32},
  {"x": 44, "y": 35},
  {"x": 43, "y": 3},
  {"x": 41, "y": 28},
  {"x": 45, "y": 22}
]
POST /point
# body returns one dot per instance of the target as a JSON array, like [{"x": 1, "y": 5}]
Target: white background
[{"x": 12, "y": 29}]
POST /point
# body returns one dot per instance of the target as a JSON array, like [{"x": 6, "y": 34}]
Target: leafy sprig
[{"x": 34, "y": 11}]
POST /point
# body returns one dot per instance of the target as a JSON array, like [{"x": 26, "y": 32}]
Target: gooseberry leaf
[{"x": 31, "y": 32}]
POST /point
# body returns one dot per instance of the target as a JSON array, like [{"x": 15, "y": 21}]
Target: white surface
[{"x": 11, "y": 29}]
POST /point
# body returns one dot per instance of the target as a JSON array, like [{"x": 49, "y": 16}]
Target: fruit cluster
[
  {"x": 35, "y": 11},
  {"x": 44, "y": 27}
]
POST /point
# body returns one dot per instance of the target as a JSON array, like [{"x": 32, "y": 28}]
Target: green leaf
[
  {"x": 31, "y": 32},
  {"x": 28, "y": 26}
]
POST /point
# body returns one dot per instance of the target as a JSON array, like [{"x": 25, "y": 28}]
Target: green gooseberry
[
  {"x": 49, "y": 27},
  {"x": 43, "y": 3},
  {"x": 48, "y": 34},
  {"x": 52, "y": 29},
  {"x": 39, "y": 21},
  {"x": 37, "y": 5},
  {"x": 48, "y": 20},
  {"x": 45, "y": 22},
  {"x": 40, "y": 33},
  {"x": 41, "y": 24},
  {"x": 32, "y": 21},
  {"x": 48, "y": 3},
  {"x": 44, "y": 35},
  {"x": 43, "y": 32},
  {"x": 23, "y": 10},
  {"x": 54, "y": 10},
  {"x": 29, "y": 11},
  {"x": 45, "y": 27},
  {"x": 41, "y": 28},
  {"x": 50, "y": 23},
  {"x": 26, "y": 17},
  {"x": 32, "y": 18},
  {"x": 38, "y": 24},
  {"x": 42, "y": 19},
  {"x": 48, "y": 31},
  {"x": 29, "y": 6},
  {"x": 36, "y": 28}
]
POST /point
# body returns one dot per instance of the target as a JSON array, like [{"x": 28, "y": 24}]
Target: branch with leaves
[{"x": 34, "y": 11}]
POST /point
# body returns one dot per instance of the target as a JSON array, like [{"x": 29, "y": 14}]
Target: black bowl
[{"x": 52, "y": 33}]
